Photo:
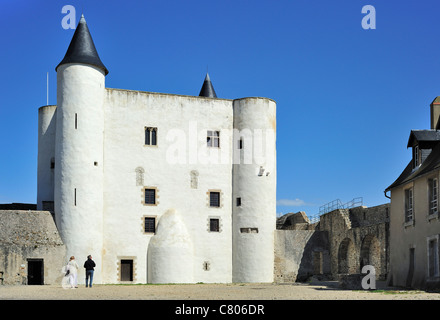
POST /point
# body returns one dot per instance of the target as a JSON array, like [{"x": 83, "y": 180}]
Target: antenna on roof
[{"x": 47, "y": 86}]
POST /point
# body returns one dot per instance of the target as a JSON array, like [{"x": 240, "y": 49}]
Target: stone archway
[
  {"x": 346, "y": 257},
  {"x": 370, "y": 252}
]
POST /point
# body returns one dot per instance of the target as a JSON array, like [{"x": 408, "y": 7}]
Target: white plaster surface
[
  {"x": 107, "y": 220},
  {"x": 80, "y": 91}
]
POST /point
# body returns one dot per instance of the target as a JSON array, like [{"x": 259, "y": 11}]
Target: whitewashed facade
[{"x": 158, "y": 188}]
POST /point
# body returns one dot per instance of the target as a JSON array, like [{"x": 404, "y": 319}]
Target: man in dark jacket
[{"x": 89, "y": 265}]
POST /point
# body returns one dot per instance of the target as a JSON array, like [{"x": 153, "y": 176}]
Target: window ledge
[
  {"x": 433, "y": 216},
  {"x": 409, "y": 224}
]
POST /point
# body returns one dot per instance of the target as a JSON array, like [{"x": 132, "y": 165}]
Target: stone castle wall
[
  {"x": 341, "y": 243},
  {"x": 27, "y": 235}
]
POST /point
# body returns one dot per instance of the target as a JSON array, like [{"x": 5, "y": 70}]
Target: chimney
[{"x": 435, "y": 113}]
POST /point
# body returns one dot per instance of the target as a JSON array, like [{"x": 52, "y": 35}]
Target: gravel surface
[{"x": 312, "y": 291}]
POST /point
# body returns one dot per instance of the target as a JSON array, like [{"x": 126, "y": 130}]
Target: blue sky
[{"x": 346, "y": 97}]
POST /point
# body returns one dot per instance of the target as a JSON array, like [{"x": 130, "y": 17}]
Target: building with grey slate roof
[{"x": 414, "y": 220}]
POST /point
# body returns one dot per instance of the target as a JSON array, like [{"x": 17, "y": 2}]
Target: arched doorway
[
  {"x": 346, "y": 257},
  {"x": 370, "y": 252}
]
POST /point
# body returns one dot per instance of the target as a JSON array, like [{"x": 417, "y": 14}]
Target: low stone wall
[
  {"x": 27, "y": 235},
  {"x": 299, "y": 254}
]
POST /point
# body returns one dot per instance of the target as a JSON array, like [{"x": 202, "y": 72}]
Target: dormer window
[{"x": 416, "y": 156}]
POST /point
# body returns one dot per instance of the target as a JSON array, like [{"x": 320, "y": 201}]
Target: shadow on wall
[{"x": 315, "y": 260}]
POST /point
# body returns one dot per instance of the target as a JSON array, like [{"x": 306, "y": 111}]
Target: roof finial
[{"x": 207, "y": 88}]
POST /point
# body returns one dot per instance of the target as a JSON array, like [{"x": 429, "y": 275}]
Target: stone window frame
[
  {"x": 156, "y": 194},
  {"x": 416, "y": 156},
  {"x": 139, "y": 171},
  {"x": 150, "y": 129},
  {"x": 206, "y": 265},
  {"x": 143, "y": 224},
  {"x": 436, "y": 274},
  {"x": 408, "y": 212},
  {"x": 194, "y": 179},
  {"x": 433, "y": 214},
  {"x": 249, "y": 230},
  {"x": 220, "y": 224},
  {"x": 208, "y": 193},
  {"x": 118, "y": 268},
  {"x": 211, "y": 137}
]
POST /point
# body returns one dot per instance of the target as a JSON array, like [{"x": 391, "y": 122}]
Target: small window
[
  {"x": 150, "y": 136},
  {"x": 416, "y": 155},
  {"x": 433, "y": 195},
  {"x": 240, "y": 143},
  {"x": 248, "y": 230},
  {"x": 213, "y": 139},
  {"x": 214, "y": 225},
  {"x": 206, "y": 265},
  {"x": 408, "y": 205},
  {"x": 238, "y": 202},
  {"x": 214, "y": 199},
  {"x": 150, "y": 224},
  {"x": 52, "y": 163},
  {"x": 433, "y": 266},
  {"x": 150, "y": 196}
]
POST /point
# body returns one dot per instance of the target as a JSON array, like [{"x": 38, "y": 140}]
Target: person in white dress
[{"x": 72, "y": 267}]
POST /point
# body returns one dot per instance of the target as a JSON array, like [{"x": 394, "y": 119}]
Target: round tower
[
  {"x": 254, "y": 190},
  {"x": 46, "y": 157},
  {"x": 79, "y": 149}
]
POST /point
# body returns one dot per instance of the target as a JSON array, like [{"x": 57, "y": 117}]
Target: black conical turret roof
[
  {"x": 82, "y": 49},
  {"x": 207, "y": 88}
]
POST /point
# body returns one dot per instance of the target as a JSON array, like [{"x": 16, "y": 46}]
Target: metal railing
[{"x": 337, "y": 204}]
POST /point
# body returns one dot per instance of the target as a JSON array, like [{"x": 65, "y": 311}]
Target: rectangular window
[
  {"x": 76, "y": 121},
  {"x": 150, "y": 136},
  {"x": 416, "y": 156},
  {"x": 214, "y": 225},
  {"x": 433, "y": 195},
  {"x": 74, "y": 197},
  {"x": 213, "y": 139},
  {"x": 248, "y": 230},
  {"x": 433, "y": 258},
  {"x": 214, "y": 199},
  {"x": 150, "y": 196},
  {"x": 408, "y": 205},
  {"x": 150, "y": 224},
  {"x": 238, "y": 202}
]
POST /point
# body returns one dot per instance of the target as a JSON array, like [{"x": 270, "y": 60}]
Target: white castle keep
[{"x": 158, "y": 188}]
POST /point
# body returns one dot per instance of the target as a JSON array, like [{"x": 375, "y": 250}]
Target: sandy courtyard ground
[
  {"x": 214, "y": 301},
  {"x": 312, "y": 291}
]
